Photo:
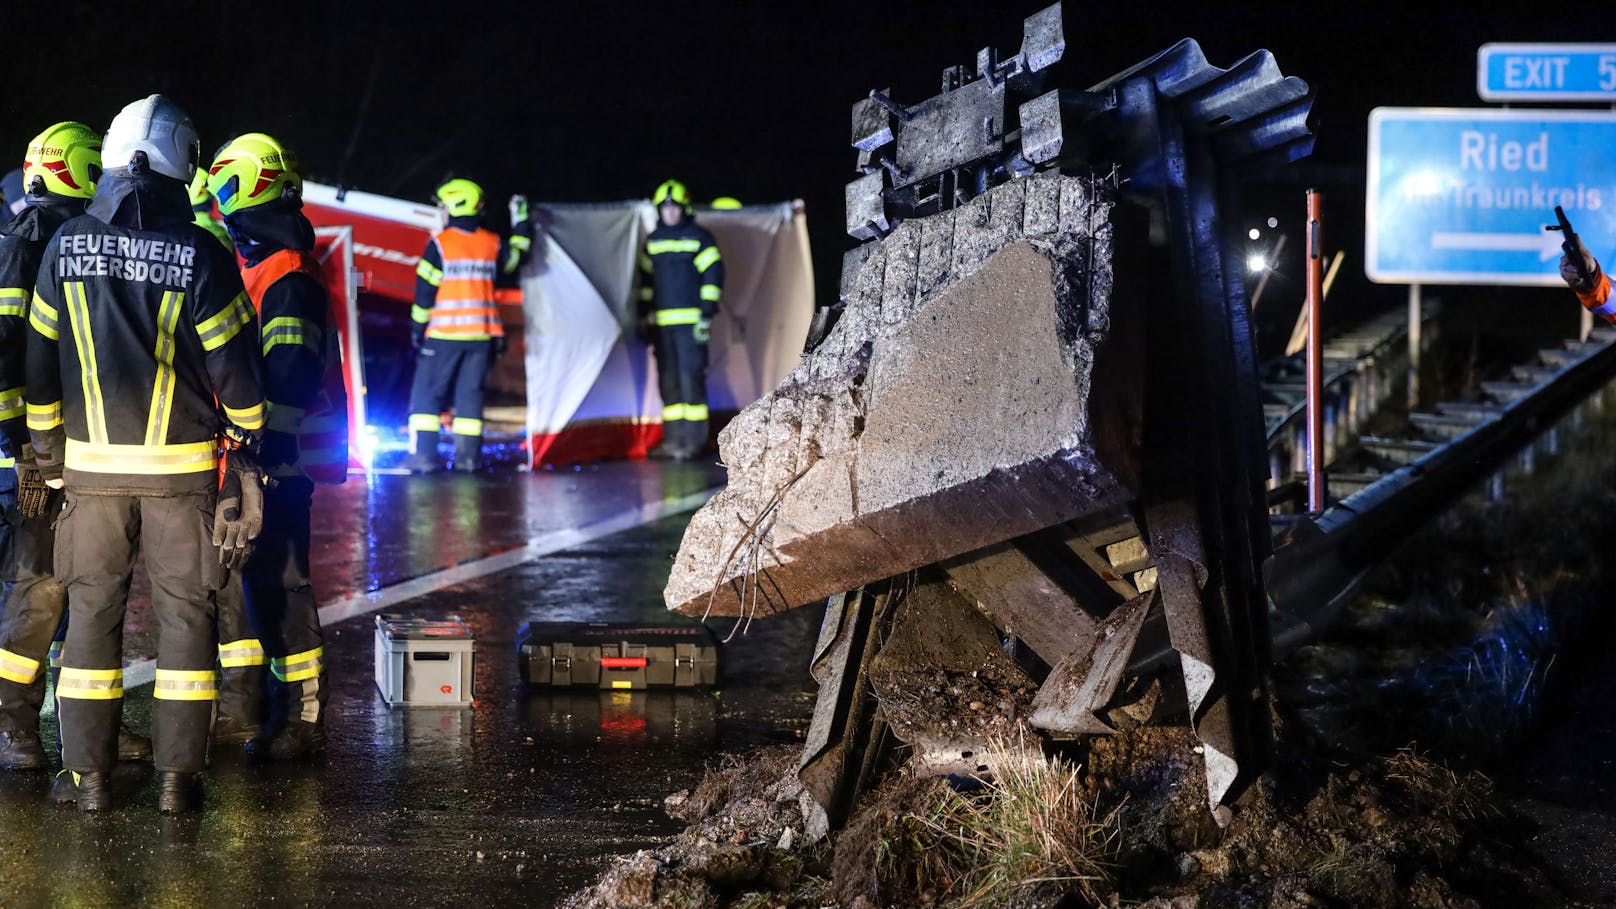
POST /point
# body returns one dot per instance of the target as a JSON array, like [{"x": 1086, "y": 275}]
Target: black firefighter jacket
[{"x": 142, "y": 346}]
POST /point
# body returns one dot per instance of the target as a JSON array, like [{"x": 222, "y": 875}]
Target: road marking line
[{"x": 144, "y": 672}]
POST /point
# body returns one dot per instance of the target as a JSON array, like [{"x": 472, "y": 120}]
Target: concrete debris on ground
[{"x": 949, "y": 409}]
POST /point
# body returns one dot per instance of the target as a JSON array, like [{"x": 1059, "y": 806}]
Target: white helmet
[{"x": 157, "y": 126}]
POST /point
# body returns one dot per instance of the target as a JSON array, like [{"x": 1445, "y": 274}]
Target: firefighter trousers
[
  {"x": 682, "y": 379},
  {"x": 449, "y": 372},
  {"x": 33, "y": 619},
  {"x": 97, "y": 537},
  {"x": 243, "y": 666},
  {"x": 281, "y": 605}
]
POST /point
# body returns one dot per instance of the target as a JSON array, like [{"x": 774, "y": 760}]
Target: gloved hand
[
  {"x": 33, "y": 495},
  {"x": 1568, "y": 269},
  {"x": 702, "y": 331},
  {"x": 49, "y": 460},
  {"x": 239, "y": 515},
  {"x": 519, "y": 211},
  {"x": 498, "y": 345},
  {"x": 279, "y": 448}
]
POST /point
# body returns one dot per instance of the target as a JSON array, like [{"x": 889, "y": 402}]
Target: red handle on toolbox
[{"x": 607, "y": 662}]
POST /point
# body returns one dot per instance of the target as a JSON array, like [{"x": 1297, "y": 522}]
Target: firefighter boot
[
  {"x": 92, "y": 791},
  {"x": 672, "y": 441},
  {"x": 21, "y": 751},
  {"x": 424, "y": 456},
  {"x": 231, "y": 731},
  {"x": 132, "y": 746},
  {"x": 297, "y": 739},
  {"x": 178, "y": 793},
  {"x": 468, "y": 453}
]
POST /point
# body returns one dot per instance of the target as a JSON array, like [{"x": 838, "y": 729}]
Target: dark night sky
[{"x": 597, "y": 101}]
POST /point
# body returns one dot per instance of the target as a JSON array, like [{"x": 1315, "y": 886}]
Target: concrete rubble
[{"x": 949, "y": 409}]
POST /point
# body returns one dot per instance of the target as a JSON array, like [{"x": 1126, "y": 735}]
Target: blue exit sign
[{"x": 1546, "y": 72}]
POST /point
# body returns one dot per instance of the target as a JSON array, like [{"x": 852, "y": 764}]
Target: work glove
[
  {"x": 33, "y": 495},
  {"x": 240, "y": 512},
  {"x": 49, "y": 460},
  {"x": 280, "y": 449},
  {"x": 1568, "y": 269},
  {"x": 702, "y": 331},
  {"x": 519, "y": 213}
]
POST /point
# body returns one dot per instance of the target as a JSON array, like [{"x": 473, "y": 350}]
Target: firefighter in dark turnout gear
[
  {"x": 60, "y": 170},
  {"x": 143, "y": 348},
  {"x": 458, "y": 331},
  {"x": 306, "y": 439},
  {"x": 681, "y": 282}
]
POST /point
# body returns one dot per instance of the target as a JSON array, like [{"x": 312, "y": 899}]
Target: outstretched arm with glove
[{"x": 1589, "y": 282}]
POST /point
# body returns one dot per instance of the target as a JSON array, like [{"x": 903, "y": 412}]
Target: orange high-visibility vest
[
  {"x": 322, "y": 431},
  {"x": 465, "y": 309}
]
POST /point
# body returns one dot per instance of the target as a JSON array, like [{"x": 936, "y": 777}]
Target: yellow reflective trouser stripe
[
  {"x": 217, "y": 330},
  {"x": 190, "y": 457},
  {"x": 43, "y": 417},
  {"x": 14, "y": 301},
  {"x": 425, "y": 422},
  {"x": 672, "y": 412},
  {"x": 12, "y": 405},
  {"x": 8, "y": 462},
  {"x": 466, "y": 426},
  {"x": 246, "y": 417},
  {"x": 55, "y": 658},
  {"x": 696, "y": 412},
  {"x": 186, "y": 685},
  {"x": 90, "y": 684},
  {"x": 688, "y": 315},
  {"x": 286, "y": 418},
  {"x": 14, "y": 667},
  {"x": 162, "y": 396},
  {"x": 298, "y": 666},
  {"x": 245, "y": 652},
  {"x": 705, "y": 259},
  {"x": 658, "y": 247},
  {"x": 429, "y": 273},
  {"x": 78, "y": 314},
  {"x": 711, "y": 292},
  {"x": 42, "y": 316}
]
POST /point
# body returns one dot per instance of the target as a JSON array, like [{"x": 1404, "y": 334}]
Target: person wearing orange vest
[
  {"x": 457, "y": 329},
  {"x": 259, "y": 192},
  {"x": 1587, "y": 280}
]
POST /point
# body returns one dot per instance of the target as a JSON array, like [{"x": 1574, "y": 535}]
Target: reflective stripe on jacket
[{"x": 464, "y": 309}]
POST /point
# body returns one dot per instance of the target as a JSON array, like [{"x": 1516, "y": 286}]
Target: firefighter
[
  {"x": 259, "y": 190},
  {"x": 1589, "y": 283},
  {"x": 457, "y": 330},
  {"x": 202, "y": 209},
  {"x": 61, "y": 168},
  {"x": 142, "y": 350},
  {"x": 681, "y": 281}
]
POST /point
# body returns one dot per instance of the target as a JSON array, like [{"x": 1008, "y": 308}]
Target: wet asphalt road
[{"x": 513, "y": 802}]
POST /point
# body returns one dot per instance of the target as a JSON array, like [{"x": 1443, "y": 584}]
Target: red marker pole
[{"x": 1315, "y": 357}]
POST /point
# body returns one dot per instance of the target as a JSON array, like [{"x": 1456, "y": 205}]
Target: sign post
[{"x": 1460, "y": 196}]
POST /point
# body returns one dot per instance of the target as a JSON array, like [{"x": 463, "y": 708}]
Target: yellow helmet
[
  {"x": 200, "y": 199},
  {"x": 671, "y": 191},
  {"x": 726, "y": 203},
  {"x": 460, "y": 197},
  {"x": 65, "y": 159},
  {"x": 250, "y": 170}
]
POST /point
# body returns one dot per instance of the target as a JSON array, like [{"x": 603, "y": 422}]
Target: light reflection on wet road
[{"x": 512, "y": 802}]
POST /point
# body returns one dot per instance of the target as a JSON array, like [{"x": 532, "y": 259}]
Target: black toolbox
[{"x": 617, "y": 656}]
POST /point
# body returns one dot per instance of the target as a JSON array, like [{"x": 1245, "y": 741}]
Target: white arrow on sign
[{"x": 1545, "y": 243}]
